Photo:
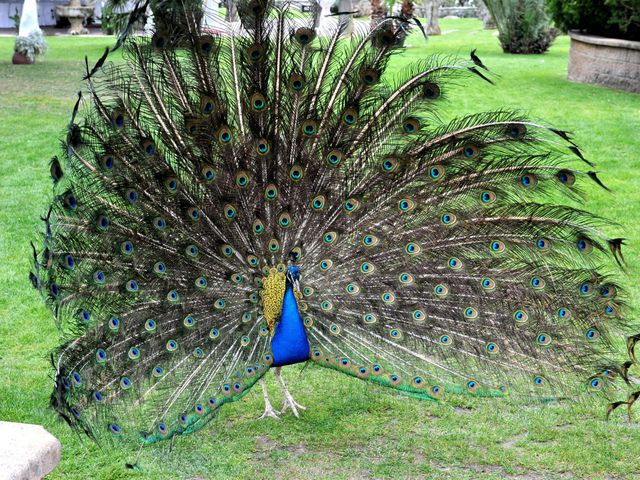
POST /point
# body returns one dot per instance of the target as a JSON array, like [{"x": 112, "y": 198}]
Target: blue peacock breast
[{"x": 289, "y": 344}]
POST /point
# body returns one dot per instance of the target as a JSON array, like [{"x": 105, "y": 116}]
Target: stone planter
[
  {"x": 20, "y": 59},
  {"x": 606, "y": 61}
]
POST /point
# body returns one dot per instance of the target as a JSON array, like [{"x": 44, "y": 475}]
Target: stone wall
[
  {"x": 462, "y": 12},
  {"x": 364, "y": 9},
  {"x": 605, "y": 61}
]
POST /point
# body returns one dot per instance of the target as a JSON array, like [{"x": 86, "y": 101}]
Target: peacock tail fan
[{"x": 432, "y": 261}]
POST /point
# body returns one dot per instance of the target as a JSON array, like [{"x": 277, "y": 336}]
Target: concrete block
[{"x": 27, "y": 452}]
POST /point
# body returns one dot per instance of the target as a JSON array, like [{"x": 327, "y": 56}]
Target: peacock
[{"x": 232, "y": 201}]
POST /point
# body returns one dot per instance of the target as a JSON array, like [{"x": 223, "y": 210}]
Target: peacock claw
[
  {"x": 269, "y": 412},
  {"x": 290, "y": 403}
]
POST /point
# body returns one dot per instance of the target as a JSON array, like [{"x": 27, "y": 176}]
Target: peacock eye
[
  {"x": 193, "y": 213},
  {"x": 470, "y": 313},
  {"x": 537, "y": 283},
  {"x": 304, "y": 36},
  {"x": 242, "y": 179},
  {"x": 592, "y": 334},
  {"x": 528, "y": 180},
  {"x": 229, "y": 211},
  {"x": 448, "y": 219},
  {"x": 487, "y": 197},
  {"x": 284, "y": 220},
  {"x": 296, "y": 82},
  {"x": 271, "y": 192},
  {"x": 334, "y": 158},
  {"x": 352, "y": 289},
  {"x": 149, "y": 148},
  {"x": 370, "y": 240},
  {"x": 516, "y": 131},
  {"x": 102, "y": 223},
  {"x": 329, "y": 237},
  {"x": 131, "y": 195},
  {"x": 405, "y": 278},
  {"x": 263, "y": 147},
  {"x": 520, "y": 316},
  {"x": 309, "y": 127},
  {"x": 431, "y": 91},
  {"x": 205, "y": 44},
  {"x": 351, "y": 205},
  {"x": 470, "y": 151},
  {"x": 296, "y": 173},
  {"x": 274, "y": 245},
  {"x": 488, "y": 284},
  {"x": 436, "y": 172},
  {"x": 406, "y": 205},
  {"x": 370, "y": 77},
  {"x": 544, "y": 339},
  {"x": 410, "y": 125},
  {"x": 326, "y": 264},
  {"x": 492, "y": 348},
  {"x": 566, "y": 177},
  {"x": 350, "y": 116},
  {"x": 317, "y": 202},
  {"x": 171, "y": 184},
  {"x": 389, "y": 165},
  {"x": 99, "y": 277},
  {"x": 441, "y": 290},
  {"x": 207, "y": 105},
  {"x": 117, "y": 119},
  {"x": 255, "y": 52},
  {"x": 258, "y": 102},
  {"x": 126, "y": 248},
  {"x": 584, "y": 245},
  {"x": 258, "y": 227},
  {"x": 208, "y": 173},
  {"x": 412, "y": 248},
  {"x": 107, "y": 162},
  {"x": 224, "y": 135},
  {"x": 454, "y": 263},
  {"x": 497, "y": 246},
  {"x": 543, "y": 244}
]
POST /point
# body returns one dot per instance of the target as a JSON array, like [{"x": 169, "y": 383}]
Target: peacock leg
[
  {"x": 289, "y": 402},
  {"x": 268, "y": 409}
]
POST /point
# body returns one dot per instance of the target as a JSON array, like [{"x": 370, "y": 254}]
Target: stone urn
[
  {"x": 76, "y": 14},
  {"x": 606, "y": 61}
]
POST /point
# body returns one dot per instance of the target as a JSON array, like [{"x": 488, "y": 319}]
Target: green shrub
[
  {"x": 608, "y": 18},
  {"x": 523, "y": 25}
]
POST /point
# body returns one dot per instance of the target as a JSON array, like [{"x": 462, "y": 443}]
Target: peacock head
[{"x": 293, "y": 276}]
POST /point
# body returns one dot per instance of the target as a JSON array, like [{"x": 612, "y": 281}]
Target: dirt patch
[
  {"x": 563, "y": 426},
  {"x": 511, "y": 443},
  {"x": 463, "y": 410}
]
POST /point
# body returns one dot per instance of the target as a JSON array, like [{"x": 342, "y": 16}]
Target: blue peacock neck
[{"x": 289, "y": 344}]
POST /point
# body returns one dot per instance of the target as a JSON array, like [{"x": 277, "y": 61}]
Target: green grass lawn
[{"x": 351, "y": 429}]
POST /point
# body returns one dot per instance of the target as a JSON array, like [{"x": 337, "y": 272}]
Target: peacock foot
[
  {"x": 268, "y": 409},
  {"x": 290, "y": 403},
  {"x": 269, "y": 412}
]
